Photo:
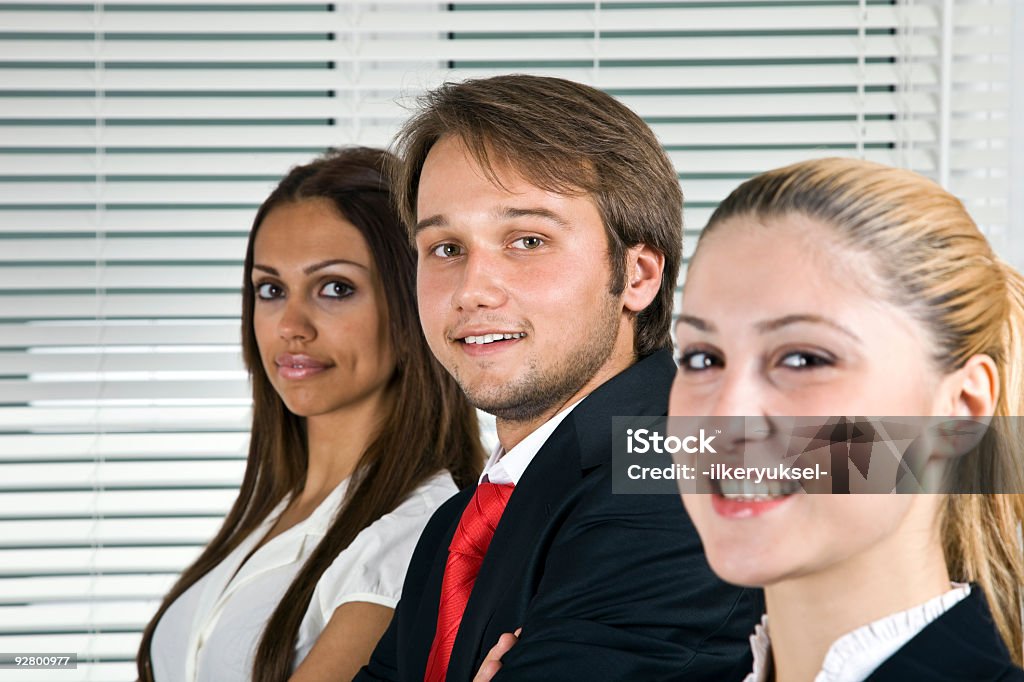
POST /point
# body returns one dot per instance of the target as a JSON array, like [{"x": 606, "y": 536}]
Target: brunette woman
[{"x": 357, "y": 436}]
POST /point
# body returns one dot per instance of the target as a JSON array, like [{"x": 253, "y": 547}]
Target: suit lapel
[
  {"x": 425, "y": 623},
  {"x": 961, "y": 644},
  {"x": 581, "y": 442}
]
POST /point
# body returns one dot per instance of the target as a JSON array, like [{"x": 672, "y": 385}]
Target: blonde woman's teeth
[{"x": 749, "y": 491}]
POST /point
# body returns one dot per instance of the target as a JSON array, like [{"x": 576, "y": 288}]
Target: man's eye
[
  {"x": 529, "y": 243},
  {"x": 698, "y": 361},
  {"x": 268, "y": 291},
  {"x": 336, "y": 290},
  {"x": 805, "y": 360},
  {"x": 448, "y": 251}
]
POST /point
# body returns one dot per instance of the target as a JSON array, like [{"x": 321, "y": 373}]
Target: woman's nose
[{"x": 295, "y": 322}]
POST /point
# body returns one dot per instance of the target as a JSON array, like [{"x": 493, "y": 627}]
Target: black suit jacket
[
  {"x": 961, "y": 645},
  {"x": 606, "y": 587}
]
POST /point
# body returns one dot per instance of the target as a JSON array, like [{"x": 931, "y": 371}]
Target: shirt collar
[
  {"x": 857, "y": 654},
  {"x": 318, "y": 522},
  {"x": 508, "y": 467}
]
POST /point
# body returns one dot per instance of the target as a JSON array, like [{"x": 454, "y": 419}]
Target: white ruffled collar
[{"x": 855, "y": 655}]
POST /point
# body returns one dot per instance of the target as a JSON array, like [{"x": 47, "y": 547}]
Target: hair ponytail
[
  {"x": 981, "y": 542},
  {"x": 982, "y": 533},
  {"x": 1012, "y": 399}
]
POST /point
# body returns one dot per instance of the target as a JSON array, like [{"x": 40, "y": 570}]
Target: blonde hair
[{"x": 934, "y": 263}]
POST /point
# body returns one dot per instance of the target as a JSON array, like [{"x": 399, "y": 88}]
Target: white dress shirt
[
  {"x": 857, "y": 654},
  {"x": 210, "y": 632},
  {"x": 508, "y": 467}
]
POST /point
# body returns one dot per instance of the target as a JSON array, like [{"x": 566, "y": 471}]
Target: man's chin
[
  {"x": 489, "y": 403},
  {"x": 512, "y": 406}
]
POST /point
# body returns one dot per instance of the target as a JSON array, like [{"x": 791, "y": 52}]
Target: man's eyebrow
[
  {"x": 512, "y": 212},
  {"x": 772, "y": 325},
  {"x": 697, "y": 323},
  {"x": 503, "y": 213},
  {"x": 433, "y": 221}
]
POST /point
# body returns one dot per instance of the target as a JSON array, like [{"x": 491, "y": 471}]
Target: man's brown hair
[{"x": 568, "y": 138}]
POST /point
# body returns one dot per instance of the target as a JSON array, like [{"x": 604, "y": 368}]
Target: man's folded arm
[{"x": 627, "y": 594}]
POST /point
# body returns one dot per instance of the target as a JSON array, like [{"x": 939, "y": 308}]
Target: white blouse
[
  {"x": 210, "y": 633},
  {"x": 857, "y": 654}
]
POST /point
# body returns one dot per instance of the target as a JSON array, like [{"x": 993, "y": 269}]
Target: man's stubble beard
[{"x": 537, "y": 389}]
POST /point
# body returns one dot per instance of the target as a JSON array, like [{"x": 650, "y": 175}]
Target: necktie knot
[{"x": 480, "y": 519}]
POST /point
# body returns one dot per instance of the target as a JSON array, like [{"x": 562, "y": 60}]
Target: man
[{"x": 547, "y": 220}]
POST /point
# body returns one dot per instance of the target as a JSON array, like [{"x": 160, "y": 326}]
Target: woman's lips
[
  {"x": 732, "y": 508},
  {"x": 294, "y": 367},
  {"x": 747, "y": 499}
]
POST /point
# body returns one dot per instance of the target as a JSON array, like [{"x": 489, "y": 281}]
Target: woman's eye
[
  {"x": 698, "y": 361},
  {"x": 336, "y": 290},
  {"x": 528, "y": 243},
  {"x": 448, "y": 251},
  {"x": 268, "y": 291},
  {"x": 805, "y": 360}
]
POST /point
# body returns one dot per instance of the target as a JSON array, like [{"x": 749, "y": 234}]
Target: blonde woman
[{"x": 842, "y": 287}]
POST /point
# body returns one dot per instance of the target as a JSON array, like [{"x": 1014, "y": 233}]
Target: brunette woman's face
[
  {"x": 778, "y": 320},
  {"x": 319, "y": 314}
]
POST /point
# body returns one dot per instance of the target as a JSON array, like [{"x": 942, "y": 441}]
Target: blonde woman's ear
[{"x": 973, "y": 390}]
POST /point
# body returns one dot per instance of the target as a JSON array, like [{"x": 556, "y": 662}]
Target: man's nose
[{"x": 483, "y": 282}]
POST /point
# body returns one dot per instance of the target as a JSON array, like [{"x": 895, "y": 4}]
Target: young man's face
[{"x": 514, "y": 287}]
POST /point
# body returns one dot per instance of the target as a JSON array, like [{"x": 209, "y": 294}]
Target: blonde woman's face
[{"x": 777, "y": 320}]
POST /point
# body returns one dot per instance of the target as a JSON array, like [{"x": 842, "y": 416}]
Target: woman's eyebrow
[
  {"x": 309, "y": 270},
  {"x": 697, "y": 323},
  {"x": 772, "y": 325},
  {"x": 766, "y": 326},
  {"x": 334, "y": 261}
]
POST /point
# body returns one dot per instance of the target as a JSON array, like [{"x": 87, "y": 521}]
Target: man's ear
[
  {"x": 644, "y": 269},
  {"x": 972, "y": 390}
]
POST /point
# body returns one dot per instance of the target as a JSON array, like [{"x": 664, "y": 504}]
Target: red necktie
[{"x": 465, "y": 555}]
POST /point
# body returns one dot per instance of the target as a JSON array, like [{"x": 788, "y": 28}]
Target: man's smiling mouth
[{"x": 491, "y": 338}]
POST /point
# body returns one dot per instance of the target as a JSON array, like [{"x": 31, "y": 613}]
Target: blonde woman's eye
[
  {"x": 448, "y": 251},
  {"x": 698, "y": 361},
  {"x": 529, "y": 243},
  {"x": 336, "y": 290},
  {"x": 802, "y": 360},
  {"x": 268, "y": 291}
]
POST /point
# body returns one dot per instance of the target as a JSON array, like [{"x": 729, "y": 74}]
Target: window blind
[{"x": 137, "y": 139}]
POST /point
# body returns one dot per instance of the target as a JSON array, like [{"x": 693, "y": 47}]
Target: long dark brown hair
[{"x": 432, "y": 427}]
